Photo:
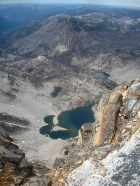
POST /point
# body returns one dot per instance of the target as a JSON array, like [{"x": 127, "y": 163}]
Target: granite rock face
[
  {"x": 132, "y": 100},
  {"x": 118, "y": 117},
  {"x": 107, "y": 116},
  {"x": 115, "y": 136},
  {"x": 13, "y": 165},
  {"x": 121, "y": 167},
  {"x": 116, "y": 111}
]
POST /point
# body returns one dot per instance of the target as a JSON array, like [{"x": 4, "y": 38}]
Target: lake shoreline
[{"x": 70, "y": 120}]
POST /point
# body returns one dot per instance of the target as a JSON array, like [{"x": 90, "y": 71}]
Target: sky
[{"x": 135, "y": 3}]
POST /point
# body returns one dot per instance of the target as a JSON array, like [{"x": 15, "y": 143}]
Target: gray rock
[
  {"x": 4, "y": 133},
  {"x": 25, "y": 168},
  {"x": 13, "y": 119},
  {"x": 1, "y": 171},
  {"x": 129, "y": 107},
  {"x": 132, "y": 100},
  {"x": 87, "y": 127},
  {"x": 13, "y": 159},
  {"x": 18, "y": 151},
  {"x": 120, "y": 167}
]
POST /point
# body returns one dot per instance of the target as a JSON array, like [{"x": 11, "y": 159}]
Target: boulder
[
  {"x": 87, "y": 127},
  {"x": 85, "y": 134}
]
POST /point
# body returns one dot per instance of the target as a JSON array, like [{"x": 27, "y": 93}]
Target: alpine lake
[
  {"x": 71, "y": 120},
  {"x": 101, "y": 75}
]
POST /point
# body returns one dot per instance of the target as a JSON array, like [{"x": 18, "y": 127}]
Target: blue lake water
[
  {"x": 72, "y": 120},
  {"x": 56, "y": 91},
  {"x": 101, "y": 75}
]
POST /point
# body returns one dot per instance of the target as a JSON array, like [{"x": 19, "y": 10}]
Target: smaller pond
[
  {"x": 72, "y": 120},
  {"x": 56, "y": 91},
  {"x": 101, "y": 75}
]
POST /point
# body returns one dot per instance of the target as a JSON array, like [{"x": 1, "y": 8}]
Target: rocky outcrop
[
  {"x": 117, "y": 112},
  {"x": 12, "y": 123},
  {"x": 114, "y": 156},
  {"x": 132, "y": 100},
  {"x": 104, "y": 150},
  {"x": 120, "y": 167},
  {"x": 14, "y": 168},
  {"x": 85, "y": 133},
  {"x": 107, "y": 117},
  {"x": 118, "y": 116}
]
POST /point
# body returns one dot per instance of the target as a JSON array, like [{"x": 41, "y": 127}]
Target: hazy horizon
[{"x": 135, "y": 3}]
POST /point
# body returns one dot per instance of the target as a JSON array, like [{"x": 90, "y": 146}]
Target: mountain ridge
[{"x": 94, "y": 31}]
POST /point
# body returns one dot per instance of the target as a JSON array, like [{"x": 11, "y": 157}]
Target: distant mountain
[
  {"x": 17, "y": 14},
  {"x": 63, "y": 35}
]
